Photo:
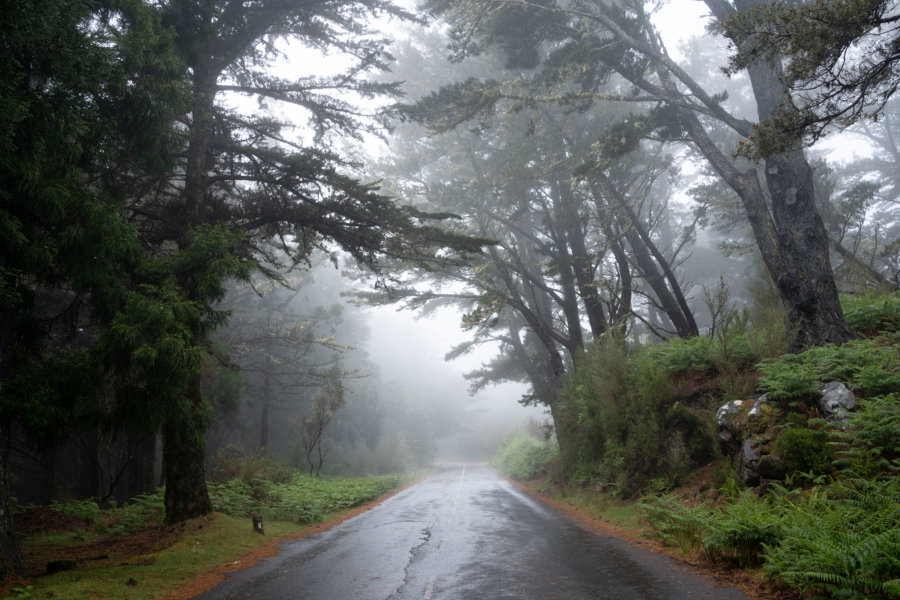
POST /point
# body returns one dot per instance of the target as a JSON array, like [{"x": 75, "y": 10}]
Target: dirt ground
[{"x": 105, "y": 551}]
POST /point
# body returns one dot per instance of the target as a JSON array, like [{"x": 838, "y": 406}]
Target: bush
[
  {"x": 86, "y": 509},
  {"x": 677, "y": 524},
  {"x": 844, "y": 543},
  {"x": 235, "y": 461},
  {"x": 805, "y": 450},
  {"x": 522, "y": 456},
  {"x": 741, "y": 530},
  {"x": 869, "y": 367},
  {"x": 872, "y": 313},
  {"x": 303, "y": 499}
]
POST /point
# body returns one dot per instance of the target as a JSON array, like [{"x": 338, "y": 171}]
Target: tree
[
  {"x": 573, "y": 51},
  {"x": 327, "y": 401},
  {"x": 569, "y": 255},
  {"x": 841, "y": 64},
  {"x": 88, "y": 95},
  {"x": 247, "y": 184},
  {"x": 859, "y": 200},
  {"x": 281, "y": 347}
]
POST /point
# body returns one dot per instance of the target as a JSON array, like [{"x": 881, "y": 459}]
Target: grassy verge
[
  {"x": 125, "y": 553},
  {"x": 197, "y": 547},
  {"x": 625, "y": 516}
]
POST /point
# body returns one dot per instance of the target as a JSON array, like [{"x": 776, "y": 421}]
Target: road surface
[{"x": 464, "y": 533}]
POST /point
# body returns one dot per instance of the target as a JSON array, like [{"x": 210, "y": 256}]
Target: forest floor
[{"x": 622, "y": 520}]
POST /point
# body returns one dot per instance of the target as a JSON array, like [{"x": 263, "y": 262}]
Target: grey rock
[
  {"x": 756, "y": 411},
  {"x": 771, "y": 467},
  {"x": 729, "y": 434},
  {"x": 748, "y": 463},
  {"x": 837, "y": 402}
]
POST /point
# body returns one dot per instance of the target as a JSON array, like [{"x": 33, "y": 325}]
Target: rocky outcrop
[
  {"x": 728, "y": 424},
  {"x": 747, "y": 432}
]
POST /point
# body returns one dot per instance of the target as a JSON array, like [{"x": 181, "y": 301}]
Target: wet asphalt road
[{"x": 462, "y": 534}]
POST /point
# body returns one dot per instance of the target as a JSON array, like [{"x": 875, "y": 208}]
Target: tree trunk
[
  {"x": 582, "y": 264},
  {"x": 264, "y": 417},
  {"x": 11, "y": 561},
  {"x": 791, "y": 238},
  {"x": 186, "y": 495},
  {"x": 805, "y": 280},
  {"x": 649, "y": 261}
]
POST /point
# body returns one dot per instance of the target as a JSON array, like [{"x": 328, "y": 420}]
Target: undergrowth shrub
[
  {"x": 677, "y": 524},
  {"x": 627, "y": 430},
  {"x": 249, "y": 465},
  {"x": 804, "y": 450},
  {"x": 522, "y": 455},
  {"x": 839, "y": 538},
  {"x": 303, "y": 499},
  {"x": 872, "y": 313},
  {"x": 843, "y": 542},
  {"x": 869, "y": 367},
  {"x": 86, "y": 509},
  {"x": 871, "y": 446},
  {"x": 740, "y": 531}
]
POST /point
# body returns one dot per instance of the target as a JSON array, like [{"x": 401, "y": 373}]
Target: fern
[
  {"x": 675, "y": 523},
  {"x": 845, "y": 543},
  {"x": 741, "y": 531}
]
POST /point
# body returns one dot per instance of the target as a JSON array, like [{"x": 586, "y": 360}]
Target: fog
[{"x": 408, "y": 350}]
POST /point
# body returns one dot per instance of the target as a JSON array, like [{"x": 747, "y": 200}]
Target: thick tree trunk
[
  {"x": 11, "y": 561},
  {"x": 805, "y": 280},
  {"x": 791, "y": 238},
  {"x": 186, "y": 495}
]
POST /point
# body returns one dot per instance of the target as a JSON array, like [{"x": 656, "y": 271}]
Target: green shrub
[
  {"x": 871, "y": 447},
  {"x": 86, "y": 509},
  {"x": 844, "y": 543},
  {"x": 869, "y": 367},
  {"x": 872, "y": 313},
  {"x": 741, "y": 530},
  {"x": 805, "y": 450},
  {"x": 303, "y": 499},
  {"x": 789, "y": 379},
  {"x": 522, "y": 456},
  {"x": 233, "y": 497},
  {"x": 676, "y": 524},
  {"x": 259, "y": 465}
]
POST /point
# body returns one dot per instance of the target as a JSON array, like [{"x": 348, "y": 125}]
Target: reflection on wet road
[{"x": 463, "y": 534}]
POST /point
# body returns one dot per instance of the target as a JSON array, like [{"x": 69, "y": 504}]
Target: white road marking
[{"x": 459, "y": 487}]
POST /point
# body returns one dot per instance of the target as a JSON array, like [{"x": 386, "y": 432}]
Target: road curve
[{"x": 464, "y": 533}]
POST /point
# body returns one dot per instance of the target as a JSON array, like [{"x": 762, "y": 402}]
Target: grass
[
  {"x": 620, "y": 514},
  {"x": 198, "y": 547},
  {"x": 147, "y": 564}
]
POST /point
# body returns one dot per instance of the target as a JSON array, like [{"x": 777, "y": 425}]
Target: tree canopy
[{"x": 841, "y": 64}]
